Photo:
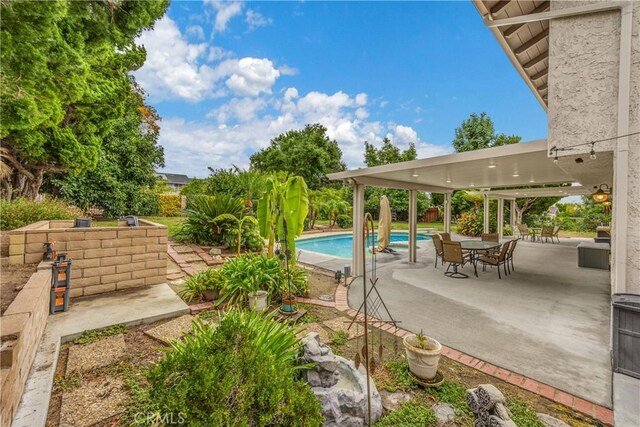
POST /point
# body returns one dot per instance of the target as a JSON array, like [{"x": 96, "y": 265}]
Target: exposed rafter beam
[
  {"x": 498, "y": 6},
  {"x": 542, "y": 87},
  {"x": 532, "y": 42},
  {"x": 514, "y": 28},
  {"x": 553, "y": 14},
  {"x": 540, "y": 75},
  {"x": 536, "y": 60}
]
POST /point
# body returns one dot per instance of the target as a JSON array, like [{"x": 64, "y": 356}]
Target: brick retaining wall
[
  {"x": 104, "y": 259},
  {"x": 22, "y": 326}
]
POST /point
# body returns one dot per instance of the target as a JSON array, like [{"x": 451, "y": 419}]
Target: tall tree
[
  {"x": 308, "y": 153},
  {"x": 65, "y": 82},
  {"x": 398, "y": 199},
  {"x": 124, "y": 178}
]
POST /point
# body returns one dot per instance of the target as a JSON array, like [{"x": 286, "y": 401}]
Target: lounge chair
[
  {"x": 497, "y": 260},
  {"x": 452, "y": 253},
  {"x": 546, "y": 233},
  {"x": 446, "y": 237},
  {"x": 437, "y": 243}
]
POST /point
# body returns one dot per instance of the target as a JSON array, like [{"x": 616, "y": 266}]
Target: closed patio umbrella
[{"x": 384, "y": 224}]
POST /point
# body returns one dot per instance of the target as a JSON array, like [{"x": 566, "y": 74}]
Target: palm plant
[{"x": 206, "y": 217}]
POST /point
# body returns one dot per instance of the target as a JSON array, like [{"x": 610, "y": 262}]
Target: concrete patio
[{"x": 548, "y": 320}]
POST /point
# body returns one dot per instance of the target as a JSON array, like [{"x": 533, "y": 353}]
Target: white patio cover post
[
  {"x": 358, "y": 229},
  {"x": 512, "y": 217},
  {"x": 447, "y": 213},
  {"x": 486, "y": 214},
  {"x": 500, "y": 218},
  {"x": 413, "y": 225}
]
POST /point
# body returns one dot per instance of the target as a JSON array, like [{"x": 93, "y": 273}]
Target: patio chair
[
  {"x": 437, "y": 243},
  {"x": 546, "y": 233},
  {"x": 512, "y": 248},
  {"x": 452, "y": 253},
  {"x": 556, "y": 230},
  {"x": 446, "y": 237},
  {"x": 524, "y": 231},
  {"x": 497, "y": 260},
  {"x": 489, "y": 237}
]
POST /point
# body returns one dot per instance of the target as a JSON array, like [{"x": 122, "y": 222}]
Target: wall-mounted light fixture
[{"x": 601, "y": 195}]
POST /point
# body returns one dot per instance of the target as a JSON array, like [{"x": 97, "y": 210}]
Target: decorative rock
[
  {"x": 444, "y": 413},
  {"x": 392, "y": 401},
  {"x": 343, "y": 387},
  {"x": 550, "y": 421},
  {"x": 215, "y": 251}
]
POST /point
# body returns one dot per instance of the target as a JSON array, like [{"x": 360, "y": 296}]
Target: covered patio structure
[{"x": 500, "y": 172}]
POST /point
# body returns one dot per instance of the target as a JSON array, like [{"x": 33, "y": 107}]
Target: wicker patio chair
[
  {"x": 489, "y": 237},
  {"x": 509, "y": 260},
  {"x": 556, "y": 230},
  {"x": 437, "y": 243},
  {"x": 452, "y": 253},
  {"x": 497, "y": 261},
  {"x": 546, "y": 233}
]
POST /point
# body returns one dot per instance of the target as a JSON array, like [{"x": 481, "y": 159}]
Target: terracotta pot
[
  {"x": 210, "y": 295},
  {"x": 423, "y": 363},
  {"x": 258, "y": 300}
]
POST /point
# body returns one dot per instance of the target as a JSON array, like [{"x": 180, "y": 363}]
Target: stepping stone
[
  {"x": 88, "y": 357},
  {"x": 342, "y": 323},
  {"x": 93, "y": 402},
  {"x": 171, "y": 330},
  {"x": 315, "y": 327},
  {"x": 182, "y": 249},
  {"x": 193, "y": 257}
]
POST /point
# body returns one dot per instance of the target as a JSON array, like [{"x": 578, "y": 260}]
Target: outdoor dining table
[{"x": 475, "y": 246}]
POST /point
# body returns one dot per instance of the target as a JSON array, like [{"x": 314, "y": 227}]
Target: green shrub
[
  {"x": 408, "y": 415},
  {"x": 203, "y": 224},
  {"x": 210, "y": 279},
  {"x": 250, "y": 273},
  {"x": 20, "y": 212},
  {"x": 299, "y": 280},
  {"x": 470, "y": 224},
  {"x": 169, "y": 204},
  {"x": 344, "y": 221},
  {"x": 249, "y": 237},
  {"x": 241, "y": 373}
]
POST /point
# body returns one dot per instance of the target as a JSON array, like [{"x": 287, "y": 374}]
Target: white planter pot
[
  {"x": 258, "y": 300},
  {"x": 423, "y": 363}
]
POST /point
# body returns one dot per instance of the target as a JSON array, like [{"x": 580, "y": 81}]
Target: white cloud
[
  {"x": 247, "y": 124},
  {"x": 253, "y": 76},
  {"x": 285, "y": 70},
  {"x": 361, "y": 99},
  {"x": 256, "y": 19},
  {"x": 225, "y": 11},
  {"x": 195, "y": 31}
]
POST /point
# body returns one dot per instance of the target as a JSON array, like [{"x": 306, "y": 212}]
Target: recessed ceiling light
[
  {"x": 448, "y": 180},
  {"x": 532, "y": 180},
  {"x": 491, "y": 166},
  {"x": 472, "y": 185},
  {"x": 415, "y": 174},
  {"x": 515, "y": 175},
  {"x": 517, "y": 193}
]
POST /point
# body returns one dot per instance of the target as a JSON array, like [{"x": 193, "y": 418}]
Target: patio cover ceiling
[
  {"x": 575, "y": 190},
  {"x": 516, "y": 165},
  {"x": 526, "y": 44}
]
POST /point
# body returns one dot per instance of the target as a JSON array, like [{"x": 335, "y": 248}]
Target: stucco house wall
[{"x": 583, "y": 105}]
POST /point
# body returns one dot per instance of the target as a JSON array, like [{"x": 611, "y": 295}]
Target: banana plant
[
  {"x": 238, "y": 221},
  {"x": 283, "y": 202}
]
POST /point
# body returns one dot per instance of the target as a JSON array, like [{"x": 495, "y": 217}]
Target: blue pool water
[{"x": 340, "y": 246}]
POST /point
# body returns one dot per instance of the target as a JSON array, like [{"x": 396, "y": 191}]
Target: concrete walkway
[
  {"x": 626, "y": 400},
  {"x": 131, "y": 307},
  {"x": 549, "y": 320}
]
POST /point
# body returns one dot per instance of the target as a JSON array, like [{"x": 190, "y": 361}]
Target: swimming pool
[{"x": 340, "y": 245}]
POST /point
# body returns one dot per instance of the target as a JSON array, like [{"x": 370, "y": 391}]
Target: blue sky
[{"x": 226, "y": 77}]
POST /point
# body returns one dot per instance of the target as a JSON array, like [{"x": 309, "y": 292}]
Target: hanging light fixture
[
  {"x": 601, "y": 196},
  {"x": 592, "y": 154},
  {"x": 607, "y": 206}
]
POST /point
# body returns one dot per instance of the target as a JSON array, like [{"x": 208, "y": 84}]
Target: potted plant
[
  {"x": 205, "y": 285},
  {"x": 258, "y": 300},
  {"x": 423, "y": 355},
  {"x": 250, "y": 278}
]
